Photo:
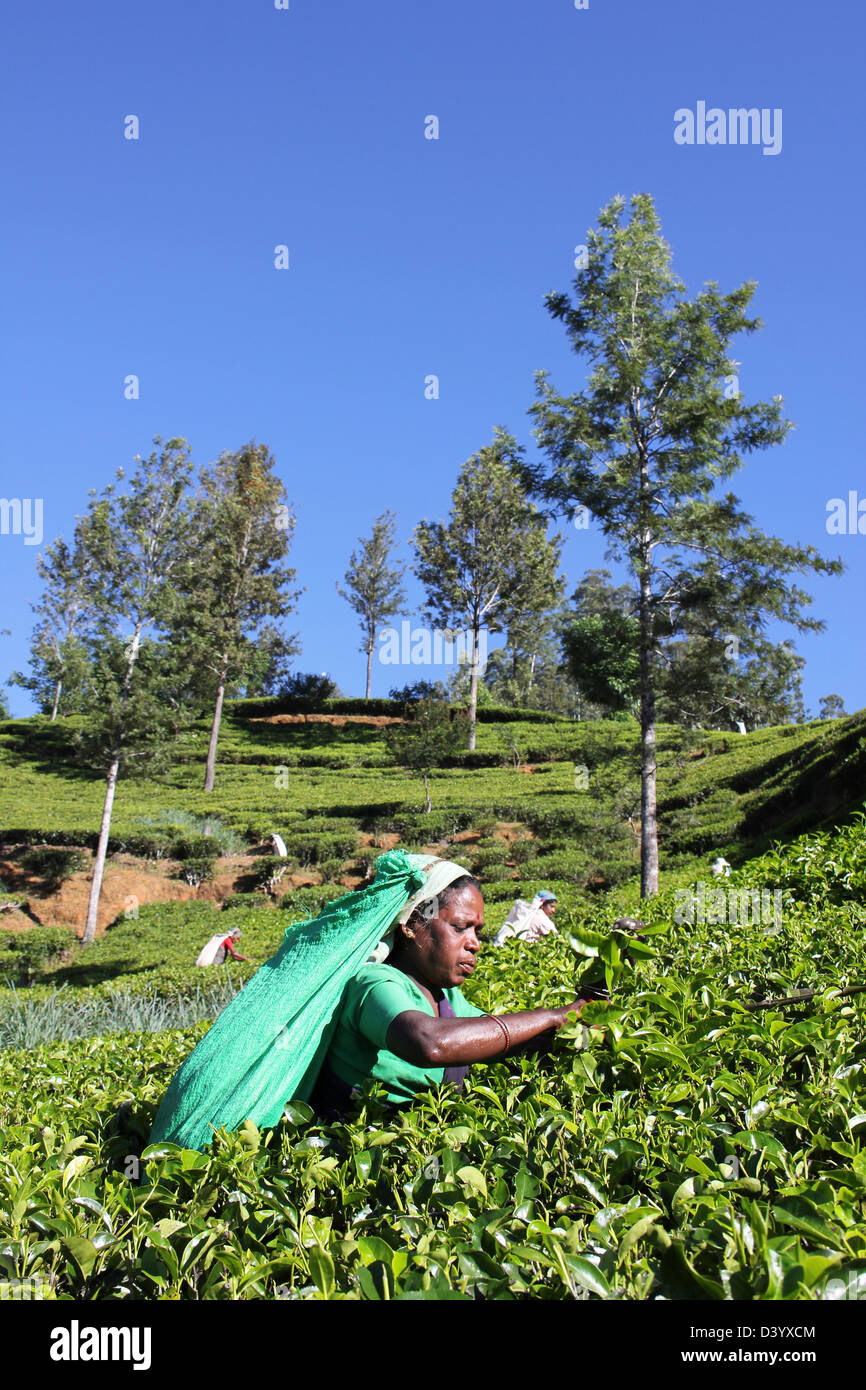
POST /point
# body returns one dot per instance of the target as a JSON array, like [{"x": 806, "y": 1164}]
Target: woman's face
[{"x": 447, "y": 944}]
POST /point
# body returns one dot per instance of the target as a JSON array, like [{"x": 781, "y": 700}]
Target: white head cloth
[{"x": 438, "y": 873}]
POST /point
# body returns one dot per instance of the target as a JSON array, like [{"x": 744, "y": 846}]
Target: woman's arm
[{"x": 446, "y": 1042}]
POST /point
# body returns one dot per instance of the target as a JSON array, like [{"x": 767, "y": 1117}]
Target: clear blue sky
[{"x": 408, "y": 256}]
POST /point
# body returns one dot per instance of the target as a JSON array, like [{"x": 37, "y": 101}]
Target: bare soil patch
[
  {"x": 131, "y": 882},
  {"x": 128, "y": 883}
]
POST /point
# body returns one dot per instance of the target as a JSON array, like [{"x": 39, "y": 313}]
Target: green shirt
[{"x": 371, "y": 1002}]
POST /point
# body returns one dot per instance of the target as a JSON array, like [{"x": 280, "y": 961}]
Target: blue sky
[{"x": 408, "y": 256}]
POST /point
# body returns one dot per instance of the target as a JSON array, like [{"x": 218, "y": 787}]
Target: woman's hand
[
  {"x": 446, "y": 1042},
  {"x": 573, "y": 1008}
]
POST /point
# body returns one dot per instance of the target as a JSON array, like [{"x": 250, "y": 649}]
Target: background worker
[
  {"x": 219, "y": 946},
  {"x": 529, "y": 921}
]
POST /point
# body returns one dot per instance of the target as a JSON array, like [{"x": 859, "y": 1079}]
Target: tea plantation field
[
  {"x": 688, "y": 1148},
  {"x": 694, "y": 1149},
  {"x": 325, "y": 789}
]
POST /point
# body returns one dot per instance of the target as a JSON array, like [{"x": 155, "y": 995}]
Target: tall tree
[
  {"x": 374, "y": 590},
  {"x": 832, "y": 707},
  {"x": 492, "y": 565},
  {"x": 517, "y": 671},
  {"x": 64, "y": 616},
  {"x": 135, "y": 543},
  {"x": 644, "y": 447},
  {"x": 236, "y": 580}
]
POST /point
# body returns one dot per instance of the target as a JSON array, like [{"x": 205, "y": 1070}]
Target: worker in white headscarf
[
  {"x": 529, "y": 921},
  {"x": 318, "y": 1018}
]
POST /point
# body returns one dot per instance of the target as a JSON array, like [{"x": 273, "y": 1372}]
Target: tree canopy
[{"x": 645, "y": 447}]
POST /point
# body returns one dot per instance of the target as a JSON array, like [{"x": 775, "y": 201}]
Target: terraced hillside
[{"x": 573, "y": 786}]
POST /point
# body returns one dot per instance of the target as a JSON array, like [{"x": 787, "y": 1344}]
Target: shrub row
[{"x": 263, "y": 708}]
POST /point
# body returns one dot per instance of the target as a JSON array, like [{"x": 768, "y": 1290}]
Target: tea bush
[
  {"x": 268, "y": 872},
  {"x": 24, "y": 954},
  {"x": 312, "y": 847},
  {"x": 307, "y": 902},
  {"x": 53, "y": 864},
  {"x": 498, "y": 873},
  {"x": 196, "y": 871},
  {"x": 693, "y": 1150},
  {"x": 329, "y": 868}
]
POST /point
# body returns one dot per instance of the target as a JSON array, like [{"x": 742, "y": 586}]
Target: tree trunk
[
  {"x": 102, "y": 846},
  {"x": 57, "y": 689},
  {"x": 473, "y": 686},
  {"x": 649, "y": 857},
  {"x": 369, "y": 667},
  {"x": 531, "y": 674},
  {"x": 427, "y": 793},
  {"x": 210, "y": 766},
  {"x": 110, "y": 785}
]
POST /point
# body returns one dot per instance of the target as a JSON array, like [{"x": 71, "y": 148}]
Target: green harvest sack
[{"x": 268, "y": 1044}]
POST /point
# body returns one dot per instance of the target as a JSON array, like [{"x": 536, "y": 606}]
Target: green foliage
[
  {"x": 602, "y": 657},
  {"x": 417, "y": 690},
  {"x": 268, "y": 872},
  {"x": 182, "y": 829},
  {"x": 434, "y": 733},
  {"x": 26, "y": 953},
  {"x": 718, "y": 793},
  {"x": 29, "y": 1021},
  {"x": 832, "y": 707},
  {"x": 235, "y": 585},
  {"x": 498, "y": 873},
  {"x": 701, "y": 684},
  {"x": 59, "y": 659},
  {"x": 329, "y": 868},
  {"x": 680, "y": 1148},
  {"x": 491, "y": 565},
  {"x": 646, "y": 449},
  {"x": 374, "y": 590},
  {"x": 308, "y": 692},
  {"x": 308, "y": 902},
  {"x": 491, "y": 852},
  {"x": 824, "y": 867},
  {"x": 196, "y": 870},
  {"x": 313, "y": 846},
  {"x": 52, "y": 864}
]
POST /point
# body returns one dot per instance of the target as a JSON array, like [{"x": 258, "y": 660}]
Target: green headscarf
[{"x": 268, "y": 1044}]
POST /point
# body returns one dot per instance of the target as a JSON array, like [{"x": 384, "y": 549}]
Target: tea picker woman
[
  {"x": 370, "y": 988},
  {"x": 220, "y": 945}
]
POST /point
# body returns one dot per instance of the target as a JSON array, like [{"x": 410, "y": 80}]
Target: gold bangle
[{"x": 499, "y": 1023}]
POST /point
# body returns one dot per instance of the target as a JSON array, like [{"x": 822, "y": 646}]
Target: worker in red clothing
[
  {"x": 219, "y": 946},
  {"x": 228, "y": 947}
]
